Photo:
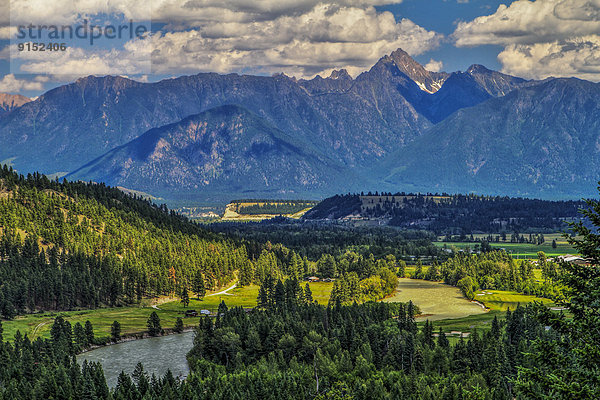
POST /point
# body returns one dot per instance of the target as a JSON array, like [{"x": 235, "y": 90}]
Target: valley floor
[{"x": 452, "y": 313}]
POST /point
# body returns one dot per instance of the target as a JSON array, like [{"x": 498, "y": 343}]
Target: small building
[
  {"x": 191, "y": 313},
  {"x": 204, "y": 312},
  {"x": 313, "y": 279}
]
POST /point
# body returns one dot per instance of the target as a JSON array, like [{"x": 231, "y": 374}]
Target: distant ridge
[{"x": 397, "y": 127}]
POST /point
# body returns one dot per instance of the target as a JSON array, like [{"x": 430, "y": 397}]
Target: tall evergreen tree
[
  {"x": 115, "y": 331},
  {"x": 153, "y": 324},
  {"x": 198, "y": 285}
]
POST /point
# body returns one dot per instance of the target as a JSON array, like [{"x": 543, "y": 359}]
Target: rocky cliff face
[
  {"x": 9, "y": 102},
  {"x": 84, "y": 119},
  {"x": 227, "y": 149},
  {"x": 542, "y": 140},
  {"x": 396, "y": 127}
]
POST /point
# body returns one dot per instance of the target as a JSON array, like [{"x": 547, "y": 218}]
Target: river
[{"x": 157, "y": 354}]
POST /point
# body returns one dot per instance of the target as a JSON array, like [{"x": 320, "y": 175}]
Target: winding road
[{"x": 223, "y": 291}]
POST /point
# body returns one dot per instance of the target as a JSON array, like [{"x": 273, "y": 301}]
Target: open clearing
[
  {"x": 501, "y": 300},
  {"x": 521, "y": 250},
  {"x": 133, "y": 319},
  {"x": 234, "y": 210},
  {"x": 451, "y": 311},
  {"x": 436, "y": 300}
]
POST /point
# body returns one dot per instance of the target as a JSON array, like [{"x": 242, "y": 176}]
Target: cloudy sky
[{"x": 532, "y": 39}]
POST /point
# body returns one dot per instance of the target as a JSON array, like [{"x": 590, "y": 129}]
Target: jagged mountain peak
[
  {"x": 427, "y": 81},
  {"x": 340, "y": 74},
  {"x": 478, "y": 68}
]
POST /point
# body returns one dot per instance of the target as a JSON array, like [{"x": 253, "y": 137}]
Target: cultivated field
[
  {"x": 258, "y": 210},
  {"x": 435, "y": 300},
  {"x": 450, "y": 310},
  {"x": 521, "y": 250}
]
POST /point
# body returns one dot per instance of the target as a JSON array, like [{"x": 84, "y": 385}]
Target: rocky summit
[{"x": 395, "y": 127}]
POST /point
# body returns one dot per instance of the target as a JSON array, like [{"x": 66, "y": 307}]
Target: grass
[
  {"x": 481, "y": 322},
  {"x": 234, "y": 211},
  {"x": 522, "y": 250},
  {"x": 133, "y": 319},
  {"x": 500, "y": 300},
  {"x": 435, "y": 300}
]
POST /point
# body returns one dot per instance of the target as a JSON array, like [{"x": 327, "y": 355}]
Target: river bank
[{"x": 158, "y": 354}]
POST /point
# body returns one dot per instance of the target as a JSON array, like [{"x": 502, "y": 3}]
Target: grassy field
[
  {"x": 448, "y": 309},
  {"x": 235, "y": 211},
  {"x": 522, "y": 250},
  {"x": 499, "y": 300},
  {"x": 133, "y": 319},
  {"x": 435, "y": 300}
]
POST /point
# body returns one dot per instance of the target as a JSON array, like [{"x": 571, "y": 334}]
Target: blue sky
[
  {"x": 534, "y": 39},
  {"x": 442, "y": 16}
]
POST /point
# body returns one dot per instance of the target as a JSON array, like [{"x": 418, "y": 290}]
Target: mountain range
[{"x": 395, "y": 127}]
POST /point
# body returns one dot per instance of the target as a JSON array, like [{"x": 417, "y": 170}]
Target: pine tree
[
  {"x": 308, "y": 298},
  {"x": 178, "y": 325},
  {"x": 443, "y": 340},
  {"x": 79, "y": 337},
  {"x": 154, "y": 328},
  {"x": 185, "y": 298},
  {"x": 198, "y": 285},
  {"x": 115, "y": 331},
  {"x": 89, "y": 333}
]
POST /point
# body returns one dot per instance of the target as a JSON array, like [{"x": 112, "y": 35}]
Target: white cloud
[
  {"x": 133, "y": 59},
  {"x": 574, "y": 57},
  {"x": 10, "y": 84},
  {"x": 541, "y": 38},
  {"x": 434, "y": 66},
  {"x": 301, "y": 46},
  {"x": 529, "y": 22},
  {"x": 300, "y": 38},
  {"x": 188, "y": 12}
]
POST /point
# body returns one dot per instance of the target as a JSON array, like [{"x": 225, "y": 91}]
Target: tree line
[{"x": 495, "y": 270}]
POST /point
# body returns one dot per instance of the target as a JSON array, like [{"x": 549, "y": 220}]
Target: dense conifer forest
[
  {"x": 66, "y": 245},
  {"x": 69, "y": 245},
  {"x": 312, "y": 239},
  {"x": 452, "y": 214}
]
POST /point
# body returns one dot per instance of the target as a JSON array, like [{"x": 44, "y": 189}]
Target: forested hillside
[
  {"x": 70, "y": 245},
  {"x": 66, "y": 245},
  {"x": 451, "y": 214}
]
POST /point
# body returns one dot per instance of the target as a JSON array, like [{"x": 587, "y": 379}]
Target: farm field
[
  {"x": 521, "y": 250},
  {"x": 500, "y": 300},
  {"x": 133, "y": 319},
  {"x": 497, "y": 301},
  {"x": 247, "y": 210}
]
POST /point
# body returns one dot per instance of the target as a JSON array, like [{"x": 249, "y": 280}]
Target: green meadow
[
  {"x": 440, "y": 303},
  {"x": 133, "y": 319},
  {"x": 521, "y": 250}
]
